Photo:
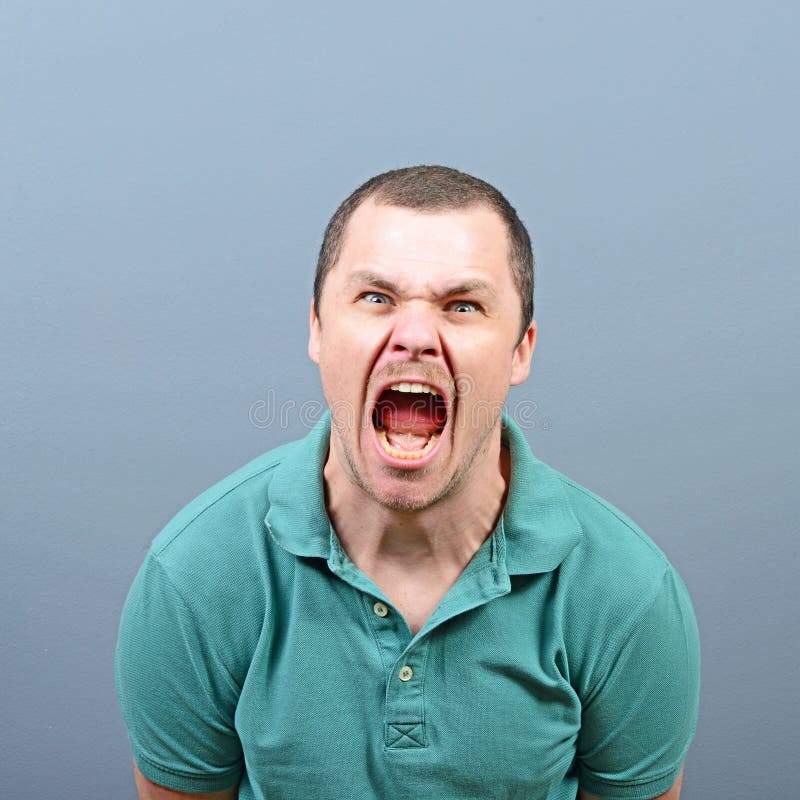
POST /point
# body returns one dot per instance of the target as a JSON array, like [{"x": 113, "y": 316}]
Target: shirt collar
[
  {"x": 539, "y": 526},
  {"x": 297, "y": 518}
]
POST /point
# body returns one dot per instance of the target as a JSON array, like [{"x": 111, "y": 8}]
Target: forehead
[{"x": 448, "y": 242}]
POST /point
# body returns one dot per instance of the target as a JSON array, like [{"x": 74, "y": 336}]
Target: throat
[{"x": 408, "y": 425}]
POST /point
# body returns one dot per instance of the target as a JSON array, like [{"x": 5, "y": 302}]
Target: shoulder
[
  {"x": 614, "y": 556},
  {"x": 217, "y": 516},
  {"x": 215, "y": 559},
  {"x": 223, "y": 524},
  {"x": 617, "y": 587},
  {"x": 191, "y": 626}
]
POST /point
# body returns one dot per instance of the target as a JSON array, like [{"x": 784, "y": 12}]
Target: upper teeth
[{"x": 417, "y": 388}]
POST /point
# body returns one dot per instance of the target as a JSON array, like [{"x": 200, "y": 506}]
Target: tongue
[{"x": 406, "y": 441}]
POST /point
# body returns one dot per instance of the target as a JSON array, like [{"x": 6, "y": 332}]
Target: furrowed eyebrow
[
  {"x": 468, "y": 287},
  {"x": 365, "y": 277}
]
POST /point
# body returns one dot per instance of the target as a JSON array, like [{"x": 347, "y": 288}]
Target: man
[{"x": 406, "y": 603}]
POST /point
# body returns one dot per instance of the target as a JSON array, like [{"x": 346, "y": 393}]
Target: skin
[
  {"x": 151, "y": 791},
  {"x": 431, "y": 297},
  {"x": 412, "y": 324},
  {"x": 671, "y": 794}
]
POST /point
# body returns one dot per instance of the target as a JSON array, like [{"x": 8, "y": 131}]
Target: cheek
[
  {"x": 333, "y": 353},
  {"x": 350, "y": 349},
  {"x": 342, "y": 367},
  {"x": 481, "y": 374}
]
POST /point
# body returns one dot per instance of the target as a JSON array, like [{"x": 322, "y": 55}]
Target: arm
[
  {"x": 671, "y": 794},
  {"x": 177, "y": 697},
  {"x": 639, "y": 715},
  {"x": 152, "y": 791}
]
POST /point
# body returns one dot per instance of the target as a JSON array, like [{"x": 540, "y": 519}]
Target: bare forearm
[
  {"x": 152, "y": 791},
  {"x": 673, "y": 793}
]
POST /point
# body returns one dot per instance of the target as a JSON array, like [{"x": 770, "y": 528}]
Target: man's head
[
  {"x": 433, "y": 189},
  {"x": 420, "y": 342}
]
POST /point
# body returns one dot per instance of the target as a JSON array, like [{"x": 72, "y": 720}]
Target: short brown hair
[{"x": 433, "y": 188}]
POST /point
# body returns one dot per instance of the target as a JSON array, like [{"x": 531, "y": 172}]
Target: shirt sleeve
[
  {"x": 177, "y": 697},
  {"x": 640, "y": 716}
]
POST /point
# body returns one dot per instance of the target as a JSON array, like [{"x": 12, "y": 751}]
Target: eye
[
  {"x": 464, "y": 306},
  {"x": 376, "y": 298}
]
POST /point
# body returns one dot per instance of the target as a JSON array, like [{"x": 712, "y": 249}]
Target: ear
[
  {"x": 314, "y": 334},
  {"x": 523, "y": 353}
]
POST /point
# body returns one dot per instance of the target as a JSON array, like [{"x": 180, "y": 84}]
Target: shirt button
[
  {"x": 380, "y": 609},
  {"x": 406, "y": 673}
]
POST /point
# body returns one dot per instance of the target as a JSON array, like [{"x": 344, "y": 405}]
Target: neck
[{"x": 440, "y": 539}]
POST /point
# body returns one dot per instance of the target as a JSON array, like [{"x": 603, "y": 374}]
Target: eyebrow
[{"x": 474, "y": 286}]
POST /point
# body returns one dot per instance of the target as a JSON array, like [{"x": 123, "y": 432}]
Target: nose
[{"x": 415, "y": 334}]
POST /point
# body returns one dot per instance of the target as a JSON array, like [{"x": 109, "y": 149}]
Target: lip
[{"x": 408, "y": 464}]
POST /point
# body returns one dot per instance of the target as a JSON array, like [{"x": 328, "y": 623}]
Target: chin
[
  {"x": 406, "y": 502},
  {"x": 412, "y": 492}
]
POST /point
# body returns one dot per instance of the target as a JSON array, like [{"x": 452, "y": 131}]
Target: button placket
[
  {"x": 399, "y": 650},
  {"x": 388, "y": 629},
  {"x": 405, "y": 708}
]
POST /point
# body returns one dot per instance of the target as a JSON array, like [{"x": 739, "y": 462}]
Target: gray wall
[{"x": 166, "y": 170}]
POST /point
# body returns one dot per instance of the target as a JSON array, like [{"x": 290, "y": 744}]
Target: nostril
[
  {"x": 414, "y": 340},
  {"x": 417, "y": 351}
]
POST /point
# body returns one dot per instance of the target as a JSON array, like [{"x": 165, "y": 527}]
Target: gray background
[{"x": 167, "y": 170}]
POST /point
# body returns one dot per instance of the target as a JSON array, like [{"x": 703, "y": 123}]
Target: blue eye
[
  {"x": 464, "y": 306},
  {"x": 375, "y": 297}
]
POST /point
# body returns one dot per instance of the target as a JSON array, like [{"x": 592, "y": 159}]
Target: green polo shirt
[{"x": 252, "y": 651}]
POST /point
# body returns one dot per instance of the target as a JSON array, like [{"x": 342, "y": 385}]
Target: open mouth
[{"x": 409, "y": 418}]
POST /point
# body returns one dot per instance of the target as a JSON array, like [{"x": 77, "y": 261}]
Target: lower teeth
[{"x": 396, "y": 452}]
